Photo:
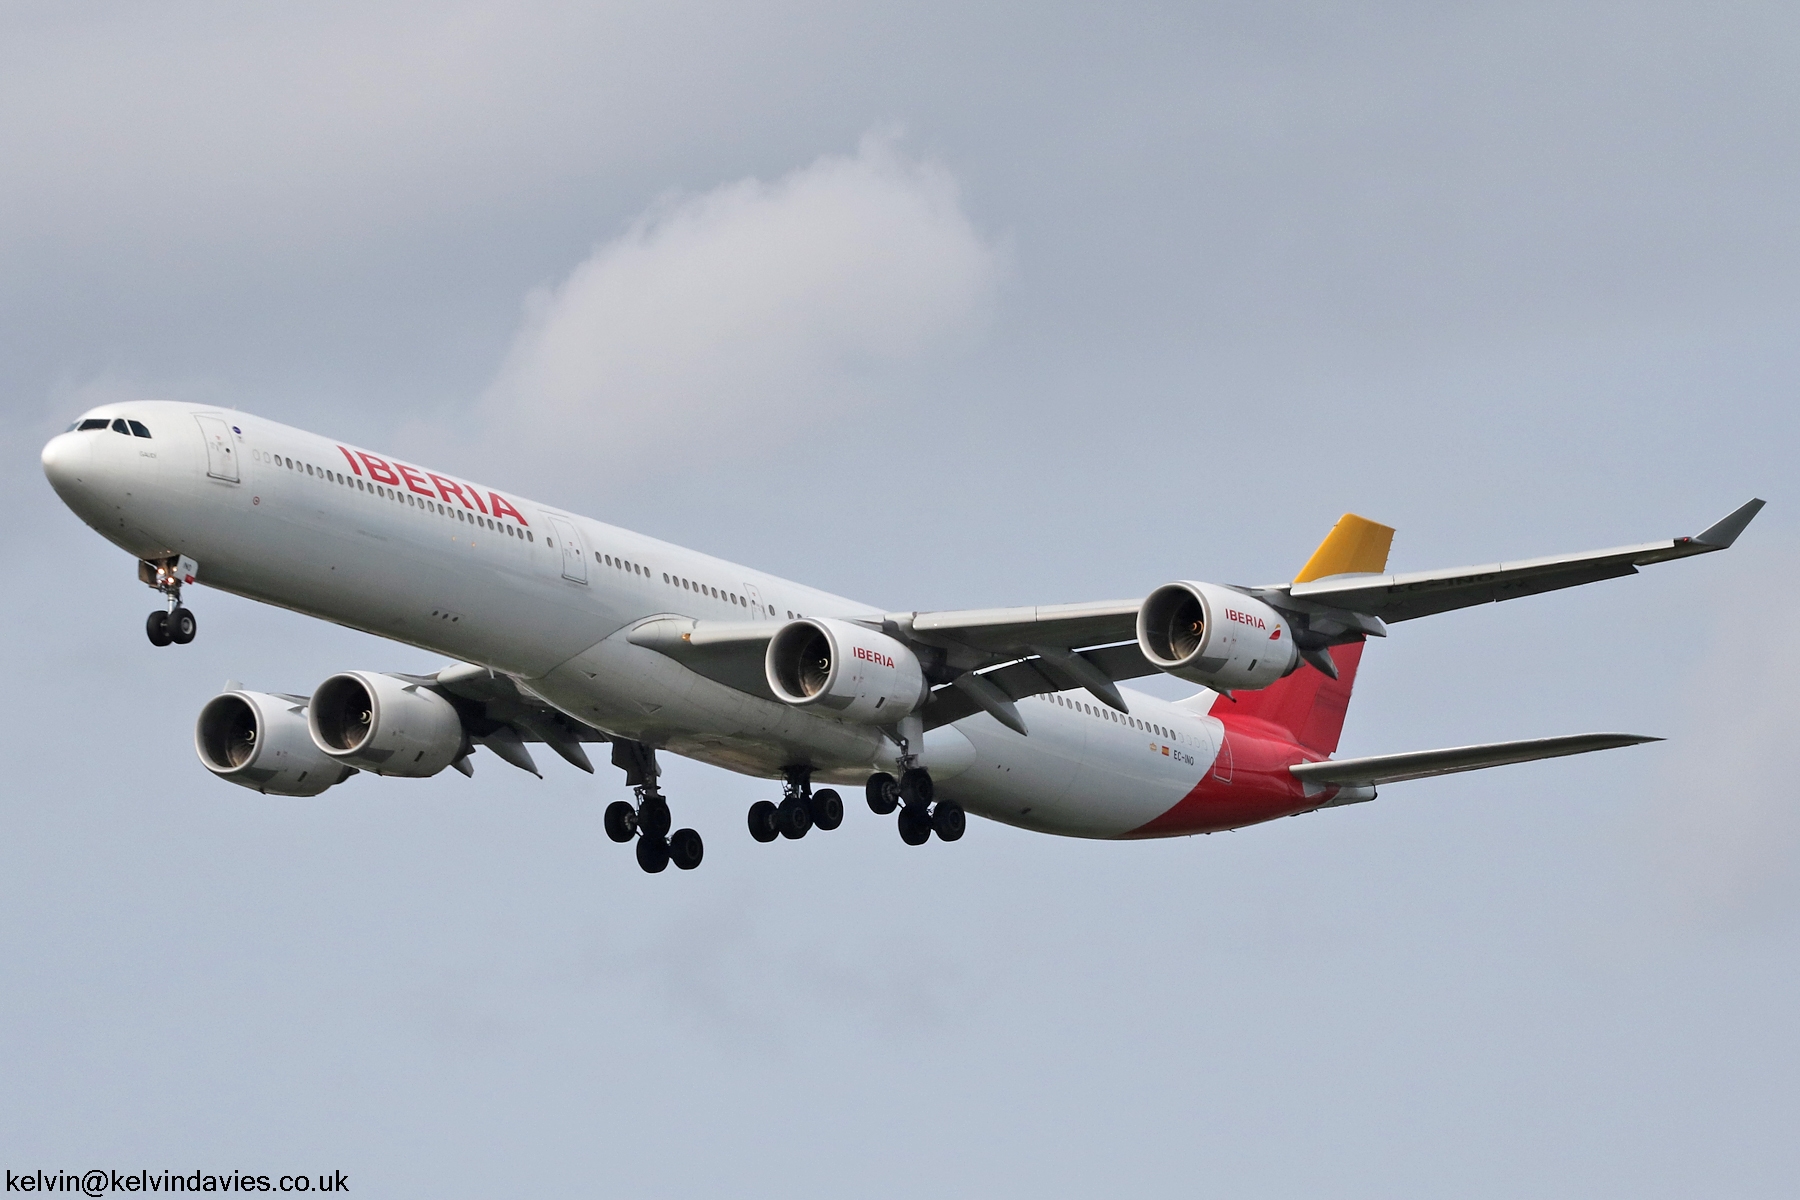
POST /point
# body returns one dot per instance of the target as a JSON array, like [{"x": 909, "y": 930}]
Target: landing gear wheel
[
  {"x": 827, "y": 809},
  {"x": 182, "y": 626},
  {"x": 793, "y": 818},
  {"x": 763, "y": 821},
  {"x": 653, "y": 854},
  {"x": 948, "y": 821},
  {"x": 916, "y": 787},
  {"x": 915, "y": 825},
  {"x": 686, "y": 849},
  {"x": 883, "y": 794},
  {"x": 157, "y": 628},
  {"x": 653, "y": 819},
  {"x": 621, "y": 821}
]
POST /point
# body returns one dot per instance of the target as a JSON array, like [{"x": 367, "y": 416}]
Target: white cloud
[{"x": 748, "y": 310}]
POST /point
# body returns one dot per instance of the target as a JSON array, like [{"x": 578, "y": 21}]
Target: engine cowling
[
  {"x": 385, "y": 725},
  {"x": 1214, "y": 636},
  {"x": 853, "y": 672},
  {"x": 262, "y": 742}
]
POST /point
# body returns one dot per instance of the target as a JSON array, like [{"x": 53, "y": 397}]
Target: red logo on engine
[{"x": 874, "y": 657}]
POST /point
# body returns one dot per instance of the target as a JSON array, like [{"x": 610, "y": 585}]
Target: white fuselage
[{"x": 546, "y": 596}]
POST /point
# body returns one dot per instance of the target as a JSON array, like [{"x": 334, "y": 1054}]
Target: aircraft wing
[
  {"x": 985, "y": 659},
  {"x": 727, "y": 652},
  {"x": 1393, "y": 768},
  {"x": 503, "y": 716},
  {"x": 1422, "y": 593},
  {"x": 1003, "y": 633}
]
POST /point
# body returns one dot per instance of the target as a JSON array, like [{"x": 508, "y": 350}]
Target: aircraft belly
[{"x": 1071, "y": 776}]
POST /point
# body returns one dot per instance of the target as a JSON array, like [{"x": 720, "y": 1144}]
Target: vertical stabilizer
[
  {"x": 1309, "y": 705},
  {"x": 1355, "y": 545}
]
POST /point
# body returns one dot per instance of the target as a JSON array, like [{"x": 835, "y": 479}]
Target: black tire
[
  {"x": 763, "y": 821},
  {"x": 156, "y": 627},
  {"x": 915, "y": 825},
  {"x": 686, "y": 849},
  {"x": 621, "y": 821},
  {"x": 793, "y": 818},
  {"x": 827, "y": 808},
  {"x": 948, "y": 821},
  {"x": 652, "y": 854},
  {"x": 916, "y": 787},
  {"x": 883, "y": 794},
  {"x": 182, "y": 626},
  {"x": 653, "y": 818}
]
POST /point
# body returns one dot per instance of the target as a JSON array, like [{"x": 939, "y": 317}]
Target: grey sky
[{"x": 1186, "y": 283}]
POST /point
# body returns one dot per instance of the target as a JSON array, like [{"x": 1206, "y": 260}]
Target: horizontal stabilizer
[{"x": 1392, "y": 768}]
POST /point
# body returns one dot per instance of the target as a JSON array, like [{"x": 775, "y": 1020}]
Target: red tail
[{"x": 1307, "y": 706}]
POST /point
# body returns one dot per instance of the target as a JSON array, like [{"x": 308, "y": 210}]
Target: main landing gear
[
  {"x": 913, "y": 795},
  {"x": 649, "y": 820},
  {"x": 801, "y": 809},
  {"x": 172, "y": 623}
]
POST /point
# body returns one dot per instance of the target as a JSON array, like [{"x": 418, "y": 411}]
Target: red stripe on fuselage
[{"x": 1260, "y": 789}]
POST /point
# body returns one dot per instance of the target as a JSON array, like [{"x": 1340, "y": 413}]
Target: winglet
[
  {"x": 1354, "y": 545},
  {"x": 1723, "y": 533}
]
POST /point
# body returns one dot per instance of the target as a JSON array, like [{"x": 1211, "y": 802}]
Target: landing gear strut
[
  {"x": 921, "y": 813},
  {"x": 801, "y": 809},
  {"x": 173, "y": 623},
  {"x": 648, "y": 821}
]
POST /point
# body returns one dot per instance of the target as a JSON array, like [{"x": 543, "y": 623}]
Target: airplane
[{"x": 566, "y": 632}]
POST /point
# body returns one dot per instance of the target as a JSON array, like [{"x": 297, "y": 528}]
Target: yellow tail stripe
[{"x": 1355, "y": 544}]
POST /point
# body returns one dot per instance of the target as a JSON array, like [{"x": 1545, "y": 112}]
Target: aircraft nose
[{"x": 67, "y": 457}]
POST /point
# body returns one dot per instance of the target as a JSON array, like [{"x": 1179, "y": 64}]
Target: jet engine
[
  {"x": 260, "y": 741},
  {"x": 853, "y": 672},
  {"x": 386, "y": 725},
  {"x": 1211, "y": 635}
]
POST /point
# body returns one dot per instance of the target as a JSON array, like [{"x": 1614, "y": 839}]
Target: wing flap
[
  {"x": 1034, "y": 677},
  {"x": 1421, "y": 764}
]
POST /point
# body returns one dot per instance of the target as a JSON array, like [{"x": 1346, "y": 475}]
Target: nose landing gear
[
  {"x": 649, "y": 820},
  {"x": 173, "y": 623}
]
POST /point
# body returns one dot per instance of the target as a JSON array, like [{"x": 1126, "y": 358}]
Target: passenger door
[
  {"x": 221, "y": 450},
  {"x": 574, "y": 557}
]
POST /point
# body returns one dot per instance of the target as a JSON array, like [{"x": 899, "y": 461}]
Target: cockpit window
[
  {"x": 139, "y": 429},
  {"x": 94, "y": 423},
  {"x": 119, "y": 426}
]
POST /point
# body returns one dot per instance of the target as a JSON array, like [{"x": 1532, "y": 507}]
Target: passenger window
[{"x": 139, "y": 429}]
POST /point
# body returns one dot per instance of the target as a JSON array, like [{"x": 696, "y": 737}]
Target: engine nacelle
[
  {"x": 260, "y": 741},
  {"x": 1214, "y": 636},
  {"x": 853, "y": 672},
  {"x": 385, "y": 725}
]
